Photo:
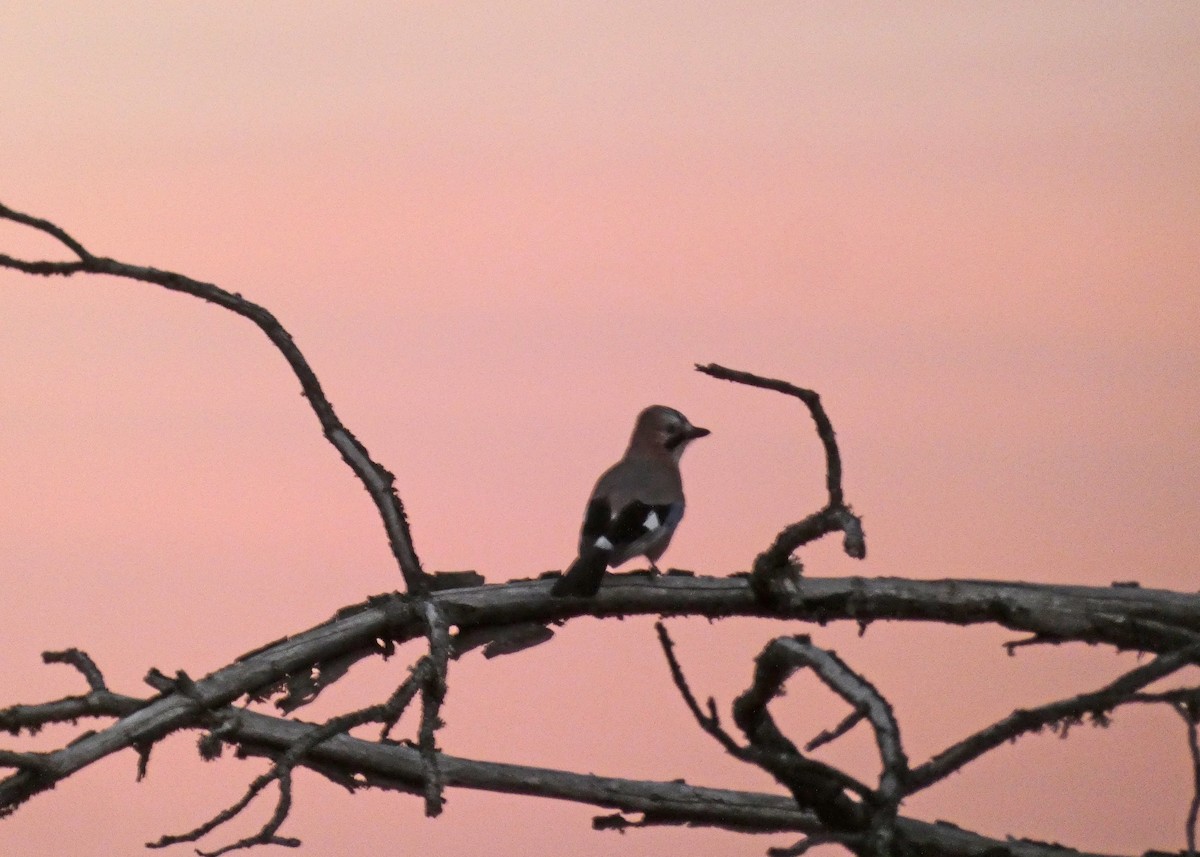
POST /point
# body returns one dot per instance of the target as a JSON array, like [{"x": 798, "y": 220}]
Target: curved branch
[
  {"x": 379, "y": 482},
  {"x": 813, "y": 783},
  {"x": 781, "y": 658},
  {"x": 774, "y": 572},
  {"x": 833, "y": 459}
]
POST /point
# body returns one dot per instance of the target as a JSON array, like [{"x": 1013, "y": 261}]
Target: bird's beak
[{"x": 695, "y": 431}]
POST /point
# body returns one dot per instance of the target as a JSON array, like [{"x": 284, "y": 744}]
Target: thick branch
[
  {"x": 391, "y": 765},
  {"x": 293, "y": 755},
  {"x": 1108, "y": 615},
  {"x": 401, "y": 766}
]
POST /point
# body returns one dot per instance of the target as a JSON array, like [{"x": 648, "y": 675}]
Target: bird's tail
[{"x": 584, "y": 575}]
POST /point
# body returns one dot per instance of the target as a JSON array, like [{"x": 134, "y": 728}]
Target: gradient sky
[{"x": 497, "y": 232}]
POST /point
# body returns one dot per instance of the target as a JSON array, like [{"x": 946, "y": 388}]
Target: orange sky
[{"x": 497, "y": 233}]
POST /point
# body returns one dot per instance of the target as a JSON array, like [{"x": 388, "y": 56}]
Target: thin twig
[
  {"x": 1188, "y": 713},
  {"x": 295, "y": 754},
  {"x": 830, "y": 735},
  {"x": 710, "y": 723}
]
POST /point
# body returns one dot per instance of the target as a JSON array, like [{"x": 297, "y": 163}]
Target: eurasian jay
[{"x": 636, "y": 504}]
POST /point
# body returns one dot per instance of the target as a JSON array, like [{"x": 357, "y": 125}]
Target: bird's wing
[{"x": 641, "y": 527}]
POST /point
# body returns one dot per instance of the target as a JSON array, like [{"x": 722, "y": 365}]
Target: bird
[{"x": 636, "y": 504}]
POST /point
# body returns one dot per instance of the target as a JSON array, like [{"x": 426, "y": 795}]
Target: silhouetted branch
[
  {"x": 830, "y": 735},
  {"x": 1189, "y": 714},
  {"x": 1116, "y": 616},
  {"x": 826, "y": 804},
  {"x": 350, "y": 761},
  {"x": 852, "y": 841},
  {"x": 433, "y": 693},
  {"x": 775, "y": 572},
  {"x": 82, "y": 662},
  {"x": 378, "y": 481},
  {"x": 833, "y": 459},
  {"x": 1096, "y": 703},
  {"x": 711, "y": 722},
  {"x": 814, "y": 783}
]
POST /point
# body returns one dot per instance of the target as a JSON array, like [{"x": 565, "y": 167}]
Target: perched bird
[{"x": 636, "y": 504}]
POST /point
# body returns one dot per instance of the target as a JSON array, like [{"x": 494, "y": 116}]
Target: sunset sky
[{"x": 499, "y": 231}]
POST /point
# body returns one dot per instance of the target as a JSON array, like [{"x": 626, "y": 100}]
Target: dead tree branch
[
  {"x": 775, "y": 570},
  {"x": 389, "y": 765},
  {"x": 379, "y": 482},
  {"x": 456, "y": 613},
  {"x": 1115, "y": 616},
  {"x": 1190, "y": 714},
  {"x": 1097, "y": 704}
]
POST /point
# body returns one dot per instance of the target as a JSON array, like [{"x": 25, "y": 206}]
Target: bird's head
[{"x": 664, "y": 429}]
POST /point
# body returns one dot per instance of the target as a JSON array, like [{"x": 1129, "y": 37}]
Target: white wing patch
[
  {"x": 652, "y": 522},
  {"x": 604, "y": 544}
]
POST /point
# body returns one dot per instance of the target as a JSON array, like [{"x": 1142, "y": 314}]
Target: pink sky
[{"x": 497, "y": 233}]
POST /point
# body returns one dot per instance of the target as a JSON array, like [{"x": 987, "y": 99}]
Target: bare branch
[
  {"x": 710, "y": 723},
  {"x": 35, "y": 762},
  {"x": 295, "y": 754},
  {"x": 389, "y": 765},
  {"x": 82, "y": 662},
  {"x": 31, "y": 718},
  {"x": 396, "y": 765},
  {"x": 1189, "y": 714},
  {"x": 830, "y": 735},
  {"x": 378, "y": 480},
  {"x": 833, "y": 459},
  {"x": 775, "y": 574},
  {"x": 852, "y": 841},
  {"x": 1087, "y": 614},
  {"x": 47, "y": 227},
  {"x": 433, "y": 693},
  {"x": 816, "y": 785},
  {"x": 864, "y": 698},
  {"x": 1023, "y": 721},
  {"x": 514, "y": 616}
]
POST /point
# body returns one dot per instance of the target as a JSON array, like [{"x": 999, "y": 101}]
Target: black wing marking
[
  {"x": 595, "y": 522},
  {"x": 604, "y": 536},
  {"x": 635, "y": 521}
]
